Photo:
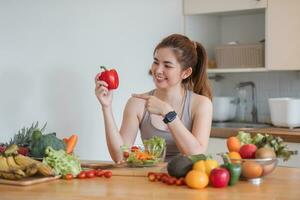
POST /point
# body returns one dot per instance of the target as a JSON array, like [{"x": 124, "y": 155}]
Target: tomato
[
  {"x": 99, "y": 173},
  {"x": 134, "y": 148},
  {"x": 81, "y": 175},
  {"x": 125, "y": 154},
  {"x": 107, "y": 174},
  {"x": 90, "y": 174},
  {"x": 219, "y": 177},
  {"x": 68, "y": 176},
  {"x": 110, "y": 77}
]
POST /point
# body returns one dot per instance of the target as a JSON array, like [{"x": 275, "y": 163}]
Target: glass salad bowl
[{"x": 151, "y": 153}]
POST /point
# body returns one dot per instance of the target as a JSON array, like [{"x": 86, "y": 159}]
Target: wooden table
[{"x": 282, "y": 184}]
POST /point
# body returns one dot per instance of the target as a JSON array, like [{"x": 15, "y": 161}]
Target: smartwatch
[{"x": 170, "y": 116}]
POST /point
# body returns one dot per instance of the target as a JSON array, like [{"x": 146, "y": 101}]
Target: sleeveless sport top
[{"x": 147, "y": 129}]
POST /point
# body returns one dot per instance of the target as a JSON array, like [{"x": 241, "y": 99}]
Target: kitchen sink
[{"x": 239, "y": 125}]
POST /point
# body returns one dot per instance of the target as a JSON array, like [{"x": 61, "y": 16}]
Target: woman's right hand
[{"x": 102, "y": 93}]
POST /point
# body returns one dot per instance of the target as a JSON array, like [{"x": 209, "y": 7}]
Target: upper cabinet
[
  {"x": 283, "y": 35},
  {"x": 274, "y": 26},
  {"x": 213, "y": 6}
]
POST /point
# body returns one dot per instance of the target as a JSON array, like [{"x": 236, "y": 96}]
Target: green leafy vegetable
[
  {"x": 155, "y": 146},
  {"x": 62, "y": 162},
  {"x": 245, "y": 138}
]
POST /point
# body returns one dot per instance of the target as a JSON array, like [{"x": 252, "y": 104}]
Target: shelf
[{"x": 237, "y": 70}]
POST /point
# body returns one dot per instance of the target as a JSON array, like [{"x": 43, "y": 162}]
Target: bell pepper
[
  {"x": 206, "y": 165},
  {"x": 234, "y": 169},
  {"x": 110, "y": 77}
]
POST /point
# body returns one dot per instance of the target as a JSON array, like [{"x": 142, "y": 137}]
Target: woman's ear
[{"x": 187, "y": 72}]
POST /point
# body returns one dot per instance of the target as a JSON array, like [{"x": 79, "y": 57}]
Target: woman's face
[{"x": 166, "y": 70}]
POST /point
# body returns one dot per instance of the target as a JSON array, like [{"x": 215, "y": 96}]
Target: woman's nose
[{"x": 158, "y": 69}]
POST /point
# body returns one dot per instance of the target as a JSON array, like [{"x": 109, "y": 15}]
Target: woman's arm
[
  {"x": 128, "y": 131},
  {"x": 196, "y": 141}
]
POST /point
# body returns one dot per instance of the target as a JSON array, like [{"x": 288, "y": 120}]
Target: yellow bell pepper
[{"x": 205, "y": 165}]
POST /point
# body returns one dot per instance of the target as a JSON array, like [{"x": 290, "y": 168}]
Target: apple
[
  {"x": 248, "y": 151},
  {"x": 219, "y": 177}
]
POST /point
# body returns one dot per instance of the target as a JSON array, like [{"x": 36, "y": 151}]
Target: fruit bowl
[
  {"x": 142, "y": 156},
  {"x": 253, "y": 170}
]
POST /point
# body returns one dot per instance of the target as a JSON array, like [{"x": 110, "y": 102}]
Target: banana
[
  {"x": 41, "y": 167},
  {"x": 24, "y": 161},
  {"x": 12, "y": 164},
  {"x": 45, "y": 170},
  {"x": 3, "y": 165},
  {"x": 31, "y": 170}
]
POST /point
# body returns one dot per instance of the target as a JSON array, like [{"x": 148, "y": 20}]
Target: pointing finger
[{"x": 141, "y": 96}]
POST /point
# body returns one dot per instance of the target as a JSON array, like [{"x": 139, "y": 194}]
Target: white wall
[{"x": 50, "y": 52}]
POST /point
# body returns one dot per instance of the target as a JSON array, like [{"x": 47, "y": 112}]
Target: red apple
[
  {"x": 219, "y": 177},
  {"x": 248, "y": 151}
]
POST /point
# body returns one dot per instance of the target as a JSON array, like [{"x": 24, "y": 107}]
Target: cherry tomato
[
  {"x": 81, "y": 175},
  {"x": 134, "y": 148},
  {"x": 125, "y": 154},
  {"x": 107, "y": 174},
  {"x": 68, "y": 176},
  {"x": 90, "y": 174},
  {"x": 99, "y": 173}
]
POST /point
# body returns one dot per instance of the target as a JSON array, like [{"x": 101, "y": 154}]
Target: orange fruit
[
  {"x": 235, "y": 156},
  {"x": 251, "y": 169},
  {"x": 233, "y": 144},
  {"x": 196, "y": 179}
]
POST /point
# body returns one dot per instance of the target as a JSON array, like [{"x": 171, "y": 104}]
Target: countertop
[
  {"x": 288, "y": 135},
  {"x": 283, "y": 183}
]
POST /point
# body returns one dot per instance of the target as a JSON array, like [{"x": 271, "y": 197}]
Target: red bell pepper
[{"x": 110, "y": 77}]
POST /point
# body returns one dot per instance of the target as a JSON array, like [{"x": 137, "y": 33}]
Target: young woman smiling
[{"x": 178, "y": 109}]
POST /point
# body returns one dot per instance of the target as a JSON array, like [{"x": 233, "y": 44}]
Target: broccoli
[{"x": 40, "y": 142}]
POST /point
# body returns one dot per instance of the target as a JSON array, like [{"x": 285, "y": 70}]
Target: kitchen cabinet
[{"x": 215, "y": 22}]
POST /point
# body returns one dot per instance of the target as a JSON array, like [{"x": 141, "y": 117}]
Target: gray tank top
[{"x": 148, "y": 130}]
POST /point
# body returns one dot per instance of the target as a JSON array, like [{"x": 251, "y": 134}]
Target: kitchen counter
[
  {"x": 288, "y": 135},
  {"x": 283, "y": 183}
]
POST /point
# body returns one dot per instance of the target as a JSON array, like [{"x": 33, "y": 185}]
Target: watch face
[{"x": 170, "y": 117}]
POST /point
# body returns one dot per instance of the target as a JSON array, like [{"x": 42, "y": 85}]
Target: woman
[{"x": 178, "y": 109}]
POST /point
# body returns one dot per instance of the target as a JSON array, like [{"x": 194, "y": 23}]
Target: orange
[
  {"x": 251, "y": 169},
  {"x": 233, "y": 144},
  {"x": 196, "y": 179},
  {"x": 234, "y": 155}
]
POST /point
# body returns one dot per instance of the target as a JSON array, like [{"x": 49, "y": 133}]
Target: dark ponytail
[{"x": 190, "y": 54}]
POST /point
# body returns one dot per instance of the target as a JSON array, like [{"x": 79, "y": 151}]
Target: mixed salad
[{"x": 151, "y": 153}]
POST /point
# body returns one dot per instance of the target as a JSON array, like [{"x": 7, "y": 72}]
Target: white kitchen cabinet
[
  {"x": 213, "y": 6},
  {"x": 216, "y": 22},
  {"x": 283, "y": 35}
]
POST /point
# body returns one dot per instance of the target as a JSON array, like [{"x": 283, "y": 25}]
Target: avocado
[{"x": 179, "y": 166}]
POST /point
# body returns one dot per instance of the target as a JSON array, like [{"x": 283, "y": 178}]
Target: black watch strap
[{"x": 170, "y": 116}]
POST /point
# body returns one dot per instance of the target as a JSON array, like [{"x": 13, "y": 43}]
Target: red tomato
[
  {"x": 219, "y": 177},
  {"x": 99, "y": 173},
  {"x": 134, "y": 148},
  {"x": 90, "y": 174},
  {"x": 125, "y": 154},
  {"x": 81, "y": 175},
  {"x": 68, "y": 176},
  {"x": 107, "y": 174},
  {"x": 110, "y": 77}
]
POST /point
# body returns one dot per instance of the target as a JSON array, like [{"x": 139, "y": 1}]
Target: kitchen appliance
[
  {"x": 285, "y": 112},
  {"x": 224, "y": 108}
]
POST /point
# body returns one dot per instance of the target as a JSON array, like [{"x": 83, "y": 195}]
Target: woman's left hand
[{"x": 154, "y": 105}]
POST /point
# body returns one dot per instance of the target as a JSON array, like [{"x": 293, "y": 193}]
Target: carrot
[
  {"x": 71, "y": 142},
  {"x": 65, "y": 140}
]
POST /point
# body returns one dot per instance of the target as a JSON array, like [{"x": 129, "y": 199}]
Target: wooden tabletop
[
  {"x": 288, "y": 135},
  {"x": 283, "y": 183}
]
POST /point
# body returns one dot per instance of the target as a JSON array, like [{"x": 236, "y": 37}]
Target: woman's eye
[
  {"x": 155, "y": 62},
  {"x": 168, "y": 66}
]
